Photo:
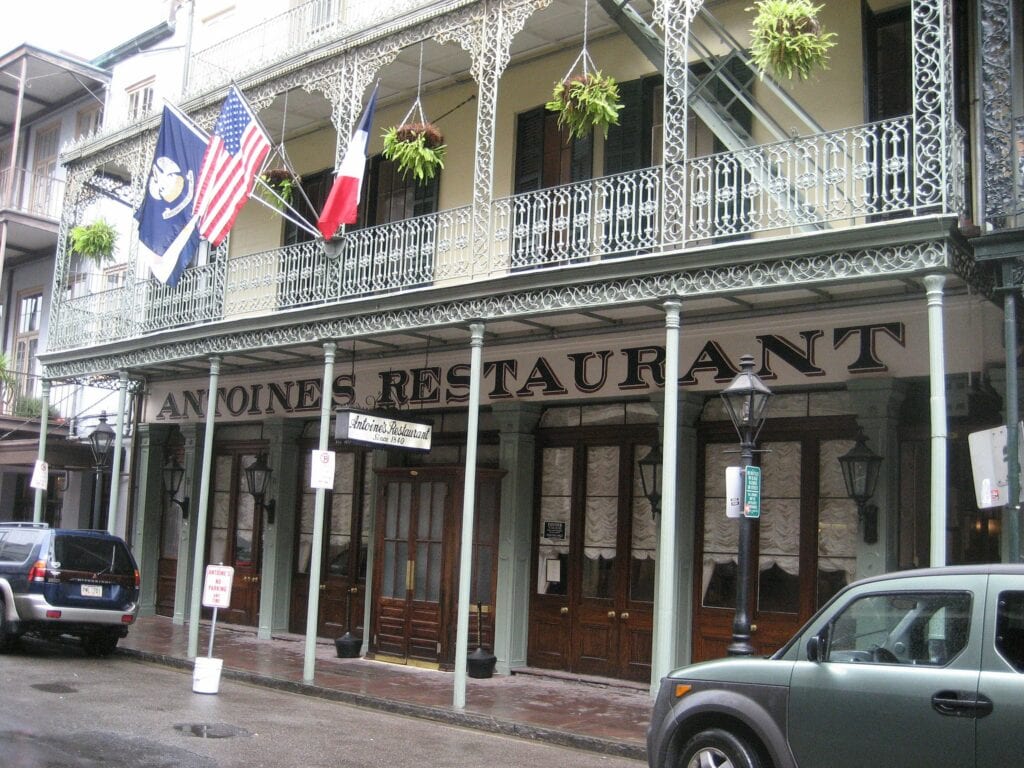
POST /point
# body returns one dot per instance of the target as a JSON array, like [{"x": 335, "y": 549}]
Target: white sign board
[
  {"x": 322, "y": 470},
  {"x": 733, "y": 492},
  {"x": 988, "y": 463},
  {"x": 40, "y": 475},
  {"x": 217, "y": 586},
  {"x": 369, "y": 429}
]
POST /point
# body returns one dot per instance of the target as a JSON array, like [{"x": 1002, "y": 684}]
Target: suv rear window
[
  {"x": 92, "y": 554},
  {"x": 16, "y": 546}
]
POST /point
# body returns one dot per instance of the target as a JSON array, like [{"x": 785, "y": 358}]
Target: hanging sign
[
  {"x": 365, "y": 428},
  {"x": 733, "y": 492}
]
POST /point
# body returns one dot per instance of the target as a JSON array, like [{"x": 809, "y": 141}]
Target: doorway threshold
[
  {"x": 573, "y": 677},
  {"x": 406, "y": 662}
]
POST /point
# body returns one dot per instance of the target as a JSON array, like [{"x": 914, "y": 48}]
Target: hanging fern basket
[
  {"x": 586, "y": 101},
  {"x": 787, "y": 39},
  {"x": 416, "y": 148},
  {"x": 283, "y": 182},
  {"x": 95, "y": 241}
]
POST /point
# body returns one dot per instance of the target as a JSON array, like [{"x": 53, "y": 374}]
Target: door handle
[
  {"x": 961, "y": 704},
  {"x": 624, "y": 616},
  {"x": 611, "y": 614},
  {"x": 410, "y": 575},
  {"x": 563, "y": 610},
  {"x": 753, "y": 628}
]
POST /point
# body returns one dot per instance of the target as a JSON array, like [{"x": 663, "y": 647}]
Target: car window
[
  {"x": 88, "y": 553},
  {"x": 905, "y": 628},
  {"x": 16, "y": 546},
  {"x": 1010, "y": 628}
]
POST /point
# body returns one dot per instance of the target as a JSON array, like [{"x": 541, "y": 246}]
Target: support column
[
  {"x": 468, "y": 509},
  {"x": 201, "y": 511},
  {"x": 939, "y": 431},
  {"x": 151, "y": 501},
  {"x": 278, "y": 539},
  {"x": 517, "y": 448},
  {"x": 115, "y": 468},
  {"x": 378, "y": 460},
  {"x": 665, "y": 600},
  {"x": 877, "y": 403},
  {"x": 44, "y": 428},
  {"x": 313, "y": 609},
  {"x": 691, "y": 406}
]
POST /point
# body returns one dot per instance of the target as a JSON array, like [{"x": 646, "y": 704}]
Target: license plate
[{"x": 92, "y": 590}]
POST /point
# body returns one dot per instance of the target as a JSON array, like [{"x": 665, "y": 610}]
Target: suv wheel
[
  {"x": 100, "y": 644},
  {"x": 715, "y": 748},
  {"x": 6, "y": 638}
]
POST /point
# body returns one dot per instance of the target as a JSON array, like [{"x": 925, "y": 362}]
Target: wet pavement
[{"x": 605, "y": 716}]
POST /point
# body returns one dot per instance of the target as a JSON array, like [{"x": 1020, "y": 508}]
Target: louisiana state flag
[{"x": 168, "y": 231}]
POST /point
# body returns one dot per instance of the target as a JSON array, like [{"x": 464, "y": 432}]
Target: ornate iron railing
[
  {"x": 31, "y": 193},
  {"x": 297, "y": 30},
  {"x": 846, "y": 177},
  {"x": 1018, "y": 161}
]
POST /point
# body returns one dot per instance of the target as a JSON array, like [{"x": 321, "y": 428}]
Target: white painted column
[
  {"x": 468, "y": 508},
  {"x": 115, "y": 468},
  {"x": 939, "y": 432},
  {"x": 664, "y": 644},
  {"x": 313, "y": 609},
  {"x": 44, "y": 427},
  {"x": 199, "y": 516}
]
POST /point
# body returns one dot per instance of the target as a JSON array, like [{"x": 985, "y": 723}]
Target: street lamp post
[
  {"x": 746, "y": 399},
  {"x": 860, "y": 474},
  {"x": 100, "y": 441}
]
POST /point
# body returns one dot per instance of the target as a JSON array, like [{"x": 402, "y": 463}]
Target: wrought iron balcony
[
  {"x": 295, "y": 31},
  {"x": 31, "y": 193},
  {"x": 833, "y": 180}
]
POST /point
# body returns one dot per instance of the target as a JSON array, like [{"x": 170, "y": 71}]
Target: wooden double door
[
  {"x": 416, "y": 573},
  {"x": 591, "y": 610},
  {"x": 805, "y": 541}
]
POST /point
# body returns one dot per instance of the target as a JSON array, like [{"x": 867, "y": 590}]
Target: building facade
[{"x": 553, "y": 308}]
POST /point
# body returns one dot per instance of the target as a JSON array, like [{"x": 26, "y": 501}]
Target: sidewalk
[{"x": 607, "y": 716}]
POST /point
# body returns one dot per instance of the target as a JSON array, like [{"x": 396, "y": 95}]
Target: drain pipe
[{"x": 939, "y": 431}]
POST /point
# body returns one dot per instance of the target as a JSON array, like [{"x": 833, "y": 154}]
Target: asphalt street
[{"x": 61, "y": 709}]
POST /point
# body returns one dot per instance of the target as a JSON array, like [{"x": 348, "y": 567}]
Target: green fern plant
[
  {"x": 283, "y": 182},
  {"x": 94, "y": 241},
  {"x": 416, "y": 148},
  {"x": 586, "y": 101},
  {"x": 787, "y": 38}
]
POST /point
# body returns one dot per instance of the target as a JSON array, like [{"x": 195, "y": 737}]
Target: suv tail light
[
  {"x": 138, "y": 581},
  {"x": 39, "y": 572}
]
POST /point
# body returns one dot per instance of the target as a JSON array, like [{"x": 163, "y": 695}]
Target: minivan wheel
[
  {"x": 717, "y": 748},
  {"x": 100, "y": 644}
]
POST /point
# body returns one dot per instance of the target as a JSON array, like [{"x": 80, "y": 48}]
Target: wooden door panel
[
  {"x": 424, "y": 631},
  {"x": 548, "y": 637},
  {"x": 635, "y": 638},
  {"x": 596, "y": 638},
  {"x": 390, "y": 637},
  {"x": 166, "y": 577}
]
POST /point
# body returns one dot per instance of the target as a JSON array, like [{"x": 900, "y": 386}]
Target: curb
[{"x": 436, "y": 714}]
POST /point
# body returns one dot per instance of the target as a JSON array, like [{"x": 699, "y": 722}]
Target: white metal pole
[
  {"x": 468, "y": 506},
  {"x": 313, "y": 609},
  {"x": 200, "y": 513}
]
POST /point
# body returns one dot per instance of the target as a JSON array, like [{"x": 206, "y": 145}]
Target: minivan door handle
[{"x": 961, "y": 704}]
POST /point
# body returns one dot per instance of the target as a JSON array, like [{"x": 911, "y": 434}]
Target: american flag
[{"x": 235, "y": 153}]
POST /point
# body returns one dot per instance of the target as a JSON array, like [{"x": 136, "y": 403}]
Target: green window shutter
[
  {"x": 529, "y": 163},
  {"x": 624, "y": 147}
]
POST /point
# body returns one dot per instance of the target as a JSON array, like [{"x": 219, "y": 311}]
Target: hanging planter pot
[
  {"x": 787, "y": 39},
  {"x": 586, "y": 101},
  {"x": 283, "y": 182},
  {"x": 416, "y": 148},
  {"x": 94, "y": 242}
]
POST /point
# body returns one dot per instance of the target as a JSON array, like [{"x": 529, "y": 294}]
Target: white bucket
[{"x": 206, "y": 674}]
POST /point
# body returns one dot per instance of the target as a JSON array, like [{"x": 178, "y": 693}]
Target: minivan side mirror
[{"x": 817, "y": 645}]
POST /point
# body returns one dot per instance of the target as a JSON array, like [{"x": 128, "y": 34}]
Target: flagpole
[{"x": 300, "y": 223}]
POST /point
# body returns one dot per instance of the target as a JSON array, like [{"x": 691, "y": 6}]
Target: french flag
[{"x": 343, "y": 201}]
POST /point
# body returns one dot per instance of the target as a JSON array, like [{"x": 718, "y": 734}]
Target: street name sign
[{"x": 752, "y": 492}]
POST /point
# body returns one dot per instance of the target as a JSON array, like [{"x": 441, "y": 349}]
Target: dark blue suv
[{"x": 57, "y": 582}]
